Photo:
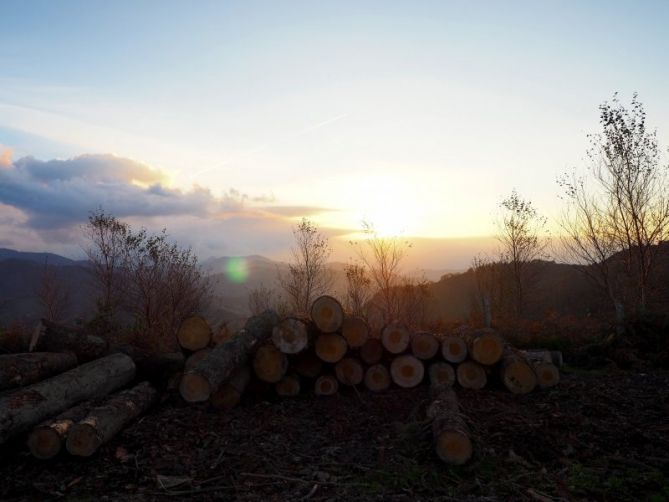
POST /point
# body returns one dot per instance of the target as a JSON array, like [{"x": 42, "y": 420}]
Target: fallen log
[
  {"x": 327, "y": 313},
  {"x": 349, "y": 371},
  {"x": 157, "y": 368},
  {"x": 549, "y": 356},
  {"x": 441, "y": 374},
  {"x": 227, "y": 330},
  {"x": 270, "y": 364},
  {"x": 199, "y": 382},
  {"x": 377, "y": 378},
  {"x": 548, "y": 375},
  {"x": 453, "y": 349},
  {"x": 326, "y": 385},
  {"x": 47, "y": 439},
  {"x": 103, "y": 422},
  {"x": 450, "y": 433},
  {"x": 230, "y": 393},
  {"x": 356, "y": 331},
  {"x": 471, "y": 375},
  {"x": 484, "y": 346},
  {"x": 194, "y": 359},
  {"x": 292, "y": 335},
  {"x": 194, "y": 333},
  {"x": 288, "y": 386},
  {"x": 18, "y": 370},
  {"x": 24, "y": 408},
  {"x": 517, "y": 373},
  {"x": 308, "y": 365},
  {"x": 424, "y": 345},
  {"x": 330, "y": 347},
  {"x": 407, "y": 371},
  {"x": 372, "y": 351},
  {"x": 52, "y": 337},
  {"x": 395, "y": 338}
]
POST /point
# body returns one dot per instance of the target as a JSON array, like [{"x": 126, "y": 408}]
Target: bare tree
[
  {"x": 616, "y": 225},
  {"x": 308, "y": 275},
  {"x": 523, "y": 236},
  {"x": 52, "y": 294},
  {"x": 358, "y": 292},
  {"x": 413, "y": 293},
  {"x": 487, "y": 278},
  {"x": 263, "y": 298}
]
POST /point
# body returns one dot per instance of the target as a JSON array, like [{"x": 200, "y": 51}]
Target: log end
[
  {"x": 453, "y": 447},
  {"x": 194, "y": 388},
  {"x": 377, "y": 378},
  {"x": 44, "y": 443},
  {"x": 547, "y": 375},
  {"x": 327, "y": 313},
  {"x": 454, "y": 349},
  {"x": 82, "y": 440},
  {"x": 326, "y": 385},
  {"x": 407, "y": 371},
  {"x": 226, "y": 398},
  {"x": 488, "y": 348},
  {"x": 471, "y": 375},
  {"x": 194, "y": 333},
  {"x": 331, "y": 347},
  {"x": 519, "y": 377}
]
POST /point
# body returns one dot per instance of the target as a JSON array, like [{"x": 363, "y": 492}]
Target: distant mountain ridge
[{"x": 41, "y": 258}]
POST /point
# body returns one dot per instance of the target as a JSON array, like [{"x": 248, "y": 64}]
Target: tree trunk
[
  {"x": 270, "y": 364},
  {"x": 356, "y": 331},
  {"x": 451, "y": 436},
  {"x": 194, "y": 334},
  {"x": 327, "y": 313},
  {"x": 517, "y": 373},
  {"x": 484, "y": 346},
  {"x": 424, "y": 345},
  {"x": 18, "y": 370},
  {"x": 204, "y": 378},
  {"x": 377, "y": 378},
  {"x": 330, "y": 347},
  {"x": 395, "y": 338},
  {"x": 326, "y": 385},
  {"x": 52, "y": 337},
  {"x": 454, "y": 349},
  {"x": 227, "y": 331},
  {"x": 407, "y": 371},
  {"x": 22, "y": 409},
  {"x": 292, "y": 335},
  {"x": 103, "y": 422},
  {"x": 157, "y": 368},
  {"x": 288, "y": 386},
  {"x": 349, "y": 371},
  {"x": 441, "y": 374},
  {"x": 194, "y": 359},
  {"x": 47, "y": 439},
  {"x": 230, "y": 393},
  {"x": 471, "y": 375},
  {"x": 308, "y": 364},
  {"x": 547, "y": 372},
  {"x": 549, "y": 356}
]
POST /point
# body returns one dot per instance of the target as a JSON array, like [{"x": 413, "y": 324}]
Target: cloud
[
  {"x": 295, "y": 211},
  {"x": 5, "y": 156}
]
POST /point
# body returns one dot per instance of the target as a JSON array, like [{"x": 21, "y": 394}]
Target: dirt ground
[{"x": 598, "y": 435}]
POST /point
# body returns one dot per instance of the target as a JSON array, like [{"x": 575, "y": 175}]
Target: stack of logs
[{"x": 329, "y": 349}]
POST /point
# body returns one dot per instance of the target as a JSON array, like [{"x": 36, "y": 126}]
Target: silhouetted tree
[
  {"x": 358, "y": 291},
  {"x": 263, "y": 298},
  {"x": 51, "y": 293}
]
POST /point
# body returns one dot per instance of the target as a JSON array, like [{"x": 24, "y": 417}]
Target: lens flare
[{"x": 236, "y": 270}]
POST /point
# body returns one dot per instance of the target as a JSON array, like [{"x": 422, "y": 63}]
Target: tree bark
[
  {"x": 24, "y": 408},
  {"x": 18, "y": 370},
  {"x": 103, "y": 422},
  {"x": 194, "y": 334},
  {"x": 157, "y": 368},
  {"x": 407, "y": 371},
  {"x": 356, "y": 331},
  {"x": 450, "y": 433},
  {"x": 230, "y": 393},
  {"x": 52, "y": 337},
  {"x": 201, "y": 381},
  {"x": 270, "y": 364},
  {"x": 195, "y": 358},
  {"x": 47, "y": 439},
  {"x": 327, "y": 313}
]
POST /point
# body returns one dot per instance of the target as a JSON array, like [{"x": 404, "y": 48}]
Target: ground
[{"x": 599, "y": 435}]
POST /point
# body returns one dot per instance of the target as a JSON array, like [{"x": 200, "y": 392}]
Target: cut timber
[
  {"x": 377, "y": 378},
  {"x": 407, "y": 371},
  {"x": 372, "y": 351},
  {"x": 292, "y": 335},
  {"x": 441, "y": 374},
  {"x": 549, "y": 356},
  {"x": 349, "y": 371},
  {"x": 330, "y": 347},
  {"x": 326, "y": 385},
  {"x": 485, "y": 346},
  {"x": 327, "y": 313},
  {"x": 195, "y": 358},
  {"x": 270, "y": 364},
  {"x": 17, "y": 370},
  {"x": 451, "y": 437},
  {"x": 288, "y": 386},
  {"x": 103, "y": 422},
  {"x": 548, "y": 375},
  {"x": 230, "y": 393},
  {"x": 47, "y": 439},
  {"x": 471, "y": 375},
  {"x": 154, "y": 367},
  {"x": 356, "y": 331},
  {"x": 194, "y": 333},
  {"x": 24, "y": 408},
  {"x": 517, "y": 373},
  {"x": 395, "y": 338},
  {"x": 424, "y": 345},
  {"x": 52, "y": 337},
  {"x": 308, "y": 364},
  {"x": 453, "y": 349},
  {"x": 227, "y": 331},
  {"x": 199, "y": 382}
]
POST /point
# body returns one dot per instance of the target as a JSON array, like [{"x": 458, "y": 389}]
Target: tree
[
  {"x": 358, "y": 291},
  {"x": 308, "y": 276},
  {"x": 52, "y": 295},
  {"x": 522, "y": 235},
  {"x": 263, "y": 298},
  {"x": 618, "y": 214},
  {"x": 487, "y": 279}
]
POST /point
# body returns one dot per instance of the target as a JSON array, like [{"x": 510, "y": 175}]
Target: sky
[{"x": 226, "y": 122}]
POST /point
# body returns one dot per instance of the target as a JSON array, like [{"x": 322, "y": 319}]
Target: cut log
[
  {"x": 288, "y": 386},
  {"x": 157, "y": 368},
  {"x": 451, "y": 436},
  {"x": 407, "y": 371},
  {"x": 395, "y": 338},
  {"x": 377, "y": 378},
  {"x": 292, "y": 335},
  {"x": 356, "y": 331},
  {"x": 549, "y": 356},
  {"x": 47, "y": 439},
  {"x": 327, "y": 313},
  {"x": 485, "y": 346},
  {"x": 372, "y": 351},
  {"x": 471, "y": 375},
  {"x": 199, "y": 382},
  {"x": 18, "y": 370},
  {"x": 194, "y": 333},
  {"x": 441, "y": 374},
  {"x": 24, "y": 408},
  {"x": 103, "y": 422},
  {"x": 548, "y": 375},
  {"x": 270, "y": 364},
  {"x": 308, "y": 365},
  {"x": 424, "y": 345},
  {"x": 326, "y": 385},
  {"x": 227, "y": 330},
  {"x": 330, "y": 347},
  {"x": 230, "y": 393},
  {"x": 349, "y": 371},
  {"x": 195, "y": 358},
  {"x": 453, "y": 349},
  {"x": 517, "y": 373},
  {"x": 52, "y": 337}
]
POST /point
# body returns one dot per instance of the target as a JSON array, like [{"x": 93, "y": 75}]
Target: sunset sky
[{"x": 225, "y": 122}]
